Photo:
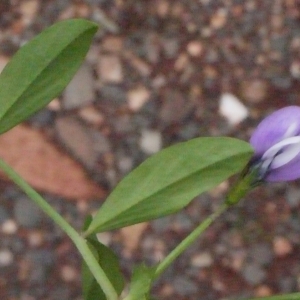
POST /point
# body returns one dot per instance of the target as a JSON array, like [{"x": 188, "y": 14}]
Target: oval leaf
[
  {"x": 41, "y": 69},
  {"x": 169, "y": 180}
]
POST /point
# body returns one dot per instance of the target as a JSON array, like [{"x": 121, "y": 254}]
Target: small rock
[
  {"x": 219, "y": 18},
  {"x": 68, "y": 273},
  {"x": 138, "y": 64},
  {"x": 292, "y": 196},
  {"x": 254, "y": 91},
  {"x": 91, "y": 115},
  {"x": 263, "y": 291},
  {"x": 282, "y": 246},
  {"x": 295, "y": 69},
  {"x": 28, "y": 10},
  {"x": 6, "y": 258},
  {"x": 27, "y": 213},
  {"x": 232, "y": 109},
  {"x": 110, "y": 69},
  {"x": 80, "y": 91},
  {"x": 9, "y": 227},
  {"x": 137, "y": 97},
  {"x": 195, "y": 48},
  {"x": 85, "y": 143},
  {"x": 3, "y": 215},
  {"x": 261, "y": 253},
  {"x": 184, "y": 286},
  {"x": 150, "y": 141},
  {"x": 175, "y": 107},
  {"x": 35, "y": 238},
  {"x": 202, "y": 260},
  {"x": 253, "y": 273},
  {"x": 112, "y": 44},
  {"x": 170, "y": 47}
]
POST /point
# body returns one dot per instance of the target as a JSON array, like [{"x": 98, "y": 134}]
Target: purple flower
[{"x": 276, "y": 142}]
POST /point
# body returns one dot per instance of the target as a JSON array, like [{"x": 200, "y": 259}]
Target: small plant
[{"x": 162, "y": 185}]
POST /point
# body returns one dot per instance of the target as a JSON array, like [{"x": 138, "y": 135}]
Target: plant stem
[
  {"x": 79, "y": 241},
  {"x": 188, "y": 240}
]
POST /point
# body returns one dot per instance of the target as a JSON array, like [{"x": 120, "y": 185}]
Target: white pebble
[
  {"x": 6, "y": 258},
  {"x": 9, "y": 227},
  {"x": 151, "y": 141},
  {"x": 232, "y": 109}
]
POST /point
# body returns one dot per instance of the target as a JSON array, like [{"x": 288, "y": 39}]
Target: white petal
[
  {"x": 291, "y": 131},
  {"x": 290, "y": 148}
]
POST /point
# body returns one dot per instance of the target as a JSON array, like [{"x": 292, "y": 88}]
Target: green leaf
[
  {"x": 170, "y": 179},
  {"x": 41, "y": 69},
  {"x": 109, "y": 263},
  {"x": 293, "y": 296},
  {"x": 141, "y": 283}
]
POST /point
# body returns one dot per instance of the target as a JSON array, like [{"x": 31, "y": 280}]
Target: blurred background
[{"x": 158, "y": 72}]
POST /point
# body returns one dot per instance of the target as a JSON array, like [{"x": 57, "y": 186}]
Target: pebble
[
  {"x": 112, "y": 44},
  {"x": 3, "y": 215},
  {"x": 202, "y": 260},
  {"x": 175, "y": 107},
  {"x": 27, "y": 213},
  {"x": 282, "y": 246},
  {"x": 150, "y": 141},
  {"x": 9, "y": 227},
  {"x": 6, "y": 258},
  {"x": 184, "y": 286},
  {"x": 292, "y": 196},
  {"x": 232, "y": 109},
  {"x": 81, "y": 90},
  {"x": 110, "y": 69},
  {"x": 261, "y": 253},
  {"x": 253, "y": 273},
  {"x": 85, "y": 143},
  {"x": 254, "y": 91},
  {"x": 68, "y": 273},
  {"x": 195, "y": 48},
  {"x": 137, "y": 97},
  {"x": 91, "y": 115}
]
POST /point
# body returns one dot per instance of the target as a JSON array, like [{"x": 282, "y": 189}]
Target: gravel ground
[{"x": 160, "y": 72}]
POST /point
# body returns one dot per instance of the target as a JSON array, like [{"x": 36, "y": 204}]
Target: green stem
[
  {"x": 188, "y": 241},
  {"x": 79, "y": 241},
  {"x": 293, "y": 296}
]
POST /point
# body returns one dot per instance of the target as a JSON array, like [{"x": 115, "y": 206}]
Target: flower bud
[{"x": 276, "y": 143}]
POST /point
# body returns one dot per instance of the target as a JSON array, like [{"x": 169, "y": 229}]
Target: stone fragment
[
  {"x": 150, "y": 141},
  {"x": 6, "y": 258},
  {"x": 27, "y": 213},
  {"x": 112, "y": 44},
  {"x": 110, "y": 69},
  {"x": 282, "y": 246},
  {"x": 254, "y": 91},
  {"x": 80, "y": 91},
  {"x": 202, "y": 260},
  {"x": 137, "y": 97},
  {"x": 195, "y": 48},
  {"x": 175, "y": 107},
  {"x": 28, "y": 10},
  {"x": 91, "y": 115},
  {"x": 85, "y": 143},
  {"x": 232, "y": 109}
]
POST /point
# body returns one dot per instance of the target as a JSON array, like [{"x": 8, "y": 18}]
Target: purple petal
[
  {"x": 281, "y": 124},
  {"x": 287, "y": 172}
]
